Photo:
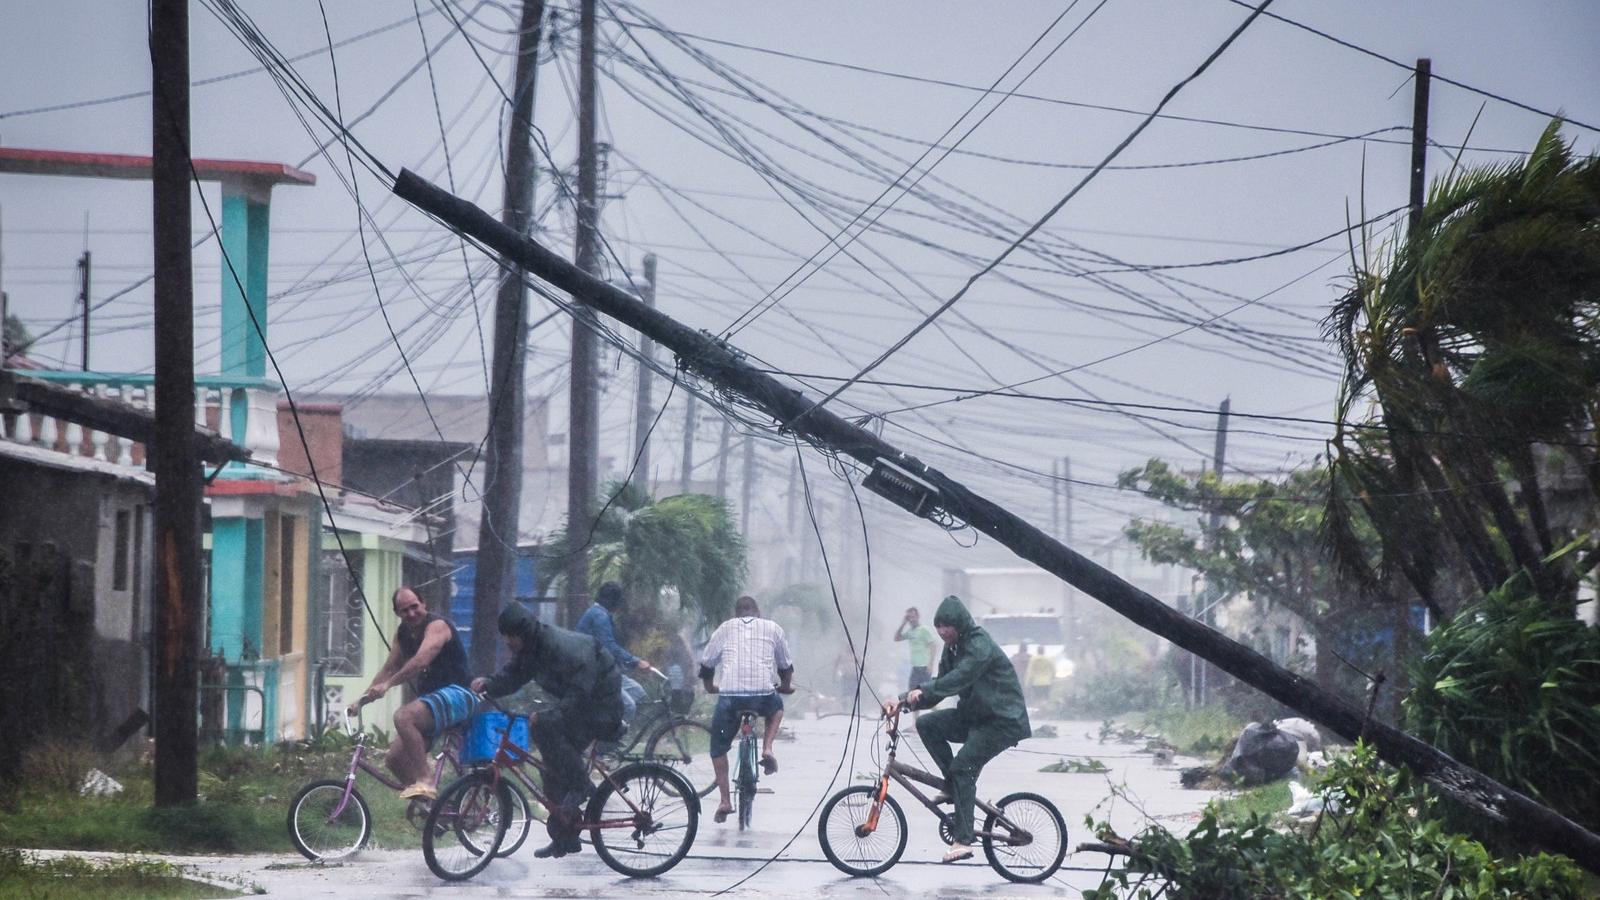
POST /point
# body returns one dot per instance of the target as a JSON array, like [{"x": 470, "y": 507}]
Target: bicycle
[
  {"x": 654, "y": 807},
  {"x": 863, "y": 830},
  {"x": 670, "y": 737},
  {"x": 329, "y": 819}
]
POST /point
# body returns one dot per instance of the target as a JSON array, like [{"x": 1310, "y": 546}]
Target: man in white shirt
[{"x": 742, "y": 656}]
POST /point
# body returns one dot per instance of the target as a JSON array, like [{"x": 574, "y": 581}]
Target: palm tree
[
  {"x": 683, "y": 550},
  {"x": 1476, "y": 335}
]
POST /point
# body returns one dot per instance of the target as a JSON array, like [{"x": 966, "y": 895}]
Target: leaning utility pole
[
  {"x": 929, "y": 493},
  {"x": 583, "y": 432},
  {"x": 642, "y": 412},
  {"x": 172, "y": 456},
  {"x": 495, "y": 579}
]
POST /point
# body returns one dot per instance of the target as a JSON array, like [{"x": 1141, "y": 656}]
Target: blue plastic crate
[{"x": 483, "y": 735}]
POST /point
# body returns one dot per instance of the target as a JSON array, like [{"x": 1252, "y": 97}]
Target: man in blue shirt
[{"x": 597, "y": 622}]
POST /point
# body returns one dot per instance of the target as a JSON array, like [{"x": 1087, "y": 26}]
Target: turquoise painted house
[{"x": 265, "y": 524}]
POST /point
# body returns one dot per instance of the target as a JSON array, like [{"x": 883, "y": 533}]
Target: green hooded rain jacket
[{"x": 975, "y": 669}]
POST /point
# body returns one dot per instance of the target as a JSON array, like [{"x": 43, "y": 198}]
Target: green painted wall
[{"x": 380, "y": 567}]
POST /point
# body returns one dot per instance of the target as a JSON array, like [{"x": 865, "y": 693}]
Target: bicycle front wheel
[
  {"x": 1037, "y": 838},
  {"x": 320, "y": 829},
  {"x": 643, "y": 819},
  {"x": 466, "y": 826},
  {"x": 846, "y": 840},
  {"x": 685, "y": 745}
]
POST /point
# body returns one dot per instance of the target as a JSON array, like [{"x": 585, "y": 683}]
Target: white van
[{"x": 1040, "y": 631}]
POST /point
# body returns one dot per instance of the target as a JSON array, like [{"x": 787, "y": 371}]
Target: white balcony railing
[{"x": 244, "y": 410}]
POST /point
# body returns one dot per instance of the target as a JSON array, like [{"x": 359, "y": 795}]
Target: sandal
[
  {"x": 722, "y": 814},
  {"x": 769, "y": 763}
]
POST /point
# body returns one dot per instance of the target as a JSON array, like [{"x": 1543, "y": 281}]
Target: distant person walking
[
  {"x": 1019, "y": 661},
  {"x": 1041, "y": 674},
  {"x": 923, "y": 643}
]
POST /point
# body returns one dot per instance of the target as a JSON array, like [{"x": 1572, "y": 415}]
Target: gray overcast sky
[{"x": 727, "y": 235}]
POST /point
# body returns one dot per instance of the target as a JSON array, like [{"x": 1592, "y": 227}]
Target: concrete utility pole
[
  {"x": 1055, "y": 497},
  {"x": 1066, "y": 487},
  {"x": 496, "y": 578},
  {"x": 84, "y": 264},
  {"x": 722, "y": 460},
  {"x": 1207, "y": 607},
  {"x": 790, "y": 563},
  {"x": 746, "y": 484},
  {"x": 725, "y": 367},
  {"x": 643, "y": 408},
  {"x": 173, "y": 459},
  {"x": 686, "y": 471},
  {"x": 583, "y": 432}
]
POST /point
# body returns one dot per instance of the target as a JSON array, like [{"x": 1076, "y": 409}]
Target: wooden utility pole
[
  {"x": 172, "y": 457},
  {"x": 1419, "y": 143},
  {"x": 809, "y": 422},
  {"x": 84, "y": 262},
  {"x": 686, "y": 470},
  {"x": 495, "y": 580},
  {"x": 643, "y": 408},
  {"x": 583, "y": 432}
]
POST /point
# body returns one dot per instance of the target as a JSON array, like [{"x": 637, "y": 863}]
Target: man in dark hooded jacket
[
  {"x": 576, "y": 672},
  {"x": 990, "y": 714}
]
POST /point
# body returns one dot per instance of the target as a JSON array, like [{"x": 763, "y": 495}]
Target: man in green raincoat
[{"x": 990, "y": 714}]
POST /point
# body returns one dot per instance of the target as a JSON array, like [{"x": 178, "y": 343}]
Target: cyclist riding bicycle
[
  {"x": 598, "y": 622},
  {"x": 747, "y": 649},
  {"x": 427, "y": 651},
  {"x": 989, "y": 717},
  {"x": 576, "y": 672}
]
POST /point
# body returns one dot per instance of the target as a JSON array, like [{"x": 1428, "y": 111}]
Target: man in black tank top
[{"x": 428, "y": 653}]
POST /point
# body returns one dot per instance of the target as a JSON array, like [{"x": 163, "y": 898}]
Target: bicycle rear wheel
[
  {"x": 466, "y": 826},
  {"x": 520, "y": 823},
  {"x": 318, "y": 832},
  {"x": 1038, "y": 856},
  {"x": 841, "y": 830},
  {"x": 643, "y": 819},
  {"x": 747, "y": 780},
  {"x": 685, "y": 745}
]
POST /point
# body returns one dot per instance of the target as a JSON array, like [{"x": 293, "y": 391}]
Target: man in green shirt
[
  {"x": 989, "y": 715},
  {"x": 923, "y": 641}
]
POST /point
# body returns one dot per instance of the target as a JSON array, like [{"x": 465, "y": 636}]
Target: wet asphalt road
[{"x": 1133, "y": 792}]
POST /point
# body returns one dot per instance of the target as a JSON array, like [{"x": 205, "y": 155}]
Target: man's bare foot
[{"x": 722, "y": 814}]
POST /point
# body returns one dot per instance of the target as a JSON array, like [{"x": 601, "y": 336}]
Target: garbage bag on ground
[
  {"x": 1262, "y": 754},
  {"x": 1303, "y": 731}
]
